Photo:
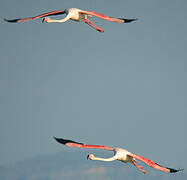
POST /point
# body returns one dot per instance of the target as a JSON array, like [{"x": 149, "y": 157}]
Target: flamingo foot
[
  {"x": 139, "y": 167},
  {"x": 143, "y": 171},
  {"x": 100, "y": 30},
  {"x": 90, "y": 23}
]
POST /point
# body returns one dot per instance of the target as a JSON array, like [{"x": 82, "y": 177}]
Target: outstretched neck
[
  {"x": 60, "y": 20},
  {"x": 104, "y": 159}
]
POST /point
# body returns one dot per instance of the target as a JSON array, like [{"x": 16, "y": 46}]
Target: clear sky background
[{"x": 125, "y": 87}]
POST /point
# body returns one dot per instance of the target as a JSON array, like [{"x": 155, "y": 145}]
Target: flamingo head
[
  {"x": 46, "y": 19},
  {"x": 90, "y": 156}
]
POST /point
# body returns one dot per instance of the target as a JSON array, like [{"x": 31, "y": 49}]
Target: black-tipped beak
[{"x": 88, "y": 157}]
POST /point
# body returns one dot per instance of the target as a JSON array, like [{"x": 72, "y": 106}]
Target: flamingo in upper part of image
[
  {"x": 75, "y": 15},
  {"x": 119, "y": 154}
]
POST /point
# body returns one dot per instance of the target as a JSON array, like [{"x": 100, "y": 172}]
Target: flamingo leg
[
  {"x": 139, "y": 167},
  {"x": 90, "y": 23}
]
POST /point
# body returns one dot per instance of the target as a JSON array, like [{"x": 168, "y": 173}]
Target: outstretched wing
[
  {"x": 155, "y": 165},
  {"x": 107, "y": 18},
  {"x": 80, "y": 145},
  {"x": 52, "y": 13}
]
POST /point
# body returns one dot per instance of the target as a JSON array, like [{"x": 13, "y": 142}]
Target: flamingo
[
  {"x": 119, "y": 154},
  {"x": 75, "y": 15}
]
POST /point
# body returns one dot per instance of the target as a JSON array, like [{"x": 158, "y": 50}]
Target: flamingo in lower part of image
[
  {"x": 119, "y": 154},
  {"x": 75, "y": 15}
]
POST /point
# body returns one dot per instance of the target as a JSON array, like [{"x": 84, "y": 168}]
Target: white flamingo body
[
  {"x": 72, "y": 13},
  {"x": 120, "y": 154},
  {"x": 123, "y": 155},
  {"x": 75, "y": 15}
]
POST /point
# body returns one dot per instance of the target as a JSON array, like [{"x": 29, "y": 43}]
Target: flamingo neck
[
  {"x": 60, "y": 20},
  {"x": 104, "y": 159}
]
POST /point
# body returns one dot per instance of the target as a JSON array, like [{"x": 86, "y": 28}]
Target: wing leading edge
[
  {"x": 52, "y": 13},
  {"x": 71, "y": 143}
]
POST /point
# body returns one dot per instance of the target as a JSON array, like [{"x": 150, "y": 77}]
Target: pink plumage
[
  {"x": 75, "y": 15},
  {"x": 119, "y": 154}
]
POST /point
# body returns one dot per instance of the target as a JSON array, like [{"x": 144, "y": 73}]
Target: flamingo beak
[{"x": 88, "y": 157}]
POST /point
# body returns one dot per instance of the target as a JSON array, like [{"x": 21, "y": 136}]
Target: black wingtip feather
[
  {"x": 64, "y": 141},
  {"x": 11, "y": 20},
  {"x": 171, "y": 170},
  {"x": 175, "y": 170},
  {"x": 128, "y": 20}
]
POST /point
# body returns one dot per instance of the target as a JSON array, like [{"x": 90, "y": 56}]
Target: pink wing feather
[
  {"x": 155, "y": 165},
  {"x": 58, "y": 12},
  {"x": 103, "y": 16},
  {"x": 80, "y": 145}
]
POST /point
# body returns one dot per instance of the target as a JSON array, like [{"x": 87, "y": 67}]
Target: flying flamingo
[
  {"x": 75, "y": 15},
  {"x": 119, "y": 154}
]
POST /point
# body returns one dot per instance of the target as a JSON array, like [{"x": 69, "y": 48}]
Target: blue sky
[{"x": 125, "y": 87}]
